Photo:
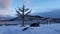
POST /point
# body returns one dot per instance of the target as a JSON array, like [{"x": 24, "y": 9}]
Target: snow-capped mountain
[
  {"x": 51, "y": 14},
  {"x": 5, "y": 17}
]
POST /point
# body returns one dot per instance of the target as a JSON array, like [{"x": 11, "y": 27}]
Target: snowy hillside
[{"x": 43, "y": 29}]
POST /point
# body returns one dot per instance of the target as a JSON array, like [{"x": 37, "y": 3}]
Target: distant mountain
[
  {"x": 51, "y": 14},
  {"x": 5, "y": 17}
]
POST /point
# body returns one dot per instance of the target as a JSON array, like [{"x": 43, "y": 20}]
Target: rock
[
  {"x": 25, "y": 28},
  {"x": 35, "y": 25}
]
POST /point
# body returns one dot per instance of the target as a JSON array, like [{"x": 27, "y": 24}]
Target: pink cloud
[{"x": 5, "y": 4}]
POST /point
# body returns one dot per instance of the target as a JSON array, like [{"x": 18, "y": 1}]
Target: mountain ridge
[{"x": 51, "y": 14}]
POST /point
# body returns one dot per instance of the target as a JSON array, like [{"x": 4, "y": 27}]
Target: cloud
[
  {"x": 5, "y": 12},
  {"x": 5, "y": 4}
]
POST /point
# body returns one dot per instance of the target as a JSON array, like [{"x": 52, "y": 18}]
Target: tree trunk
[{"x": 23, "y": 24}]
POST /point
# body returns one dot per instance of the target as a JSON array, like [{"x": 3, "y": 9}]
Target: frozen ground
[{"x": 43, "y": 29}]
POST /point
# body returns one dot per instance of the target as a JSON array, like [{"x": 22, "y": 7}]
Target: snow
[{"x": 43, "y": 29}]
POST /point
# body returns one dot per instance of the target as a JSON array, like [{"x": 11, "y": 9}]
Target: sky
[{"x": 37, "y": 6}]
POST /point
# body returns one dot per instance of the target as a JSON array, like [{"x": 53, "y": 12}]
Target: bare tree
[{"x": 22, "y": 12}]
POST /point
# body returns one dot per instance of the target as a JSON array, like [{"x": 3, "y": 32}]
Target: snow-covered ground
[{"x": 43, "y": 29}]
